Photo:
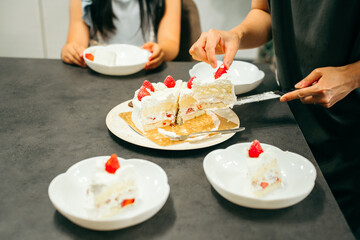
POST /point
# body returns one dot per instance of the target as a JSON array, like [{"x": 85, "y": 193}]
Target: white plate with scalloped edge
[
  {"x": 67, "y": 192},
  {"x": 226, "y": 171},
  {"x": 245, "y": 76},
  {"x": 116, "y": 59},
  {"x": 121, "y": 129}
]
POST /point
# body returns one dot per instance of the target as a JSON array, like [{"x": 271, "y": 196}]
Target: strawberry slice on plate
[
  {"x": 127, "y": 202},
  {"x": 89, "y": 56}
]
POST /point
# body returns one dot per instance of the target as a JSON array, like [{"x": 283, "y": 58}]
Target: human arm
[
  {"x": 254, "y": 31},
  {"x": 326, "y": 86},
  {"x": 78, "y": 36},
  {"x": 168, "y": 36}
]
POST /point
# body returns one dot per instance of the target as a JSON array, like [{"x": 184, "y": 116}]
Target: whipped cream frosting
[
  {"x": 163, "y": 99},
  {"x": 206, "y": 90},
  {"x": 263, "y": 168},
  {"x": 107, "y": 191}
]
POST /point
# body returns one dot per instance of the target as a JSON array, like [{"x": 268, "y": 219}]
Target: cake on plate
[
  {"x": 263, "y": 170},
  {"x": 201, "y": 94},
  {"x": 172, "y": 102},
  {"x": 112, "y": 188},
  {"x": 156, "y": 104}
]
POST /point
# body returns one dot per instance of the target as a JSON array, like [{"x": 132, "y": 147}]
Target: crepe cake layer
[
  {"x": 159, "y": 109},
  {"x": 205, "y": 94}
]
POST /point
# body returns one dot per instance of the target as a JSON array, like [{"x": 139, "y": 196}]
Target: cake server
[
  {"x": 175, "y": 137},
  {"x": 259, "y": 97}
]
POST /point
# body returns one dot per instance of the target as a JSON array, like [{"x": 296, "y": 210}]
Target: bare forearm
[
  {"x": 169, "y": 29},
  {"x": 353, "y": 72},
  {"x": 79, "y": 34},
  {"x": 255, "y": 30},
  {"x": 170, "y": 48},
  {"x": 78, "y": 30}
]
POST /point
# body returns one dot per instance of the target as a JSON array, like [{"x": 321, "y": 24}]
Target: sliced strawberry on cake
[
  {"x": 112, "y": 164},
  {"x": 169, "y": 81},
  {"x": 255, "y": 149},
  {"x": 142, "y": 93},
  {"x": 220, "y": 71},
  {"x": 148, "y": 85}
]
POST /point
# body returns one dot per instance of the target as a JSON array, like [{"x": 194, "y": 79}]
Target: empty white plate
[
  {"x": 67, "y": 193},
  {"x": 245, "y": 76},
  {"x": 116, "y": 59},
  {"x": 227, "y": 173}
]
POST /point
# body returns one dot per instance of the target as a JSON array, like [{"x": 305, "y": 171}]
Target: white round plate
[
  {"x": 226, "y": 171},
  {"x": 122, "y": 130},
  {"x": 245, "y": 76},
  {"x": 67, "y": 193},
  {"x": 129, "y": 59}
]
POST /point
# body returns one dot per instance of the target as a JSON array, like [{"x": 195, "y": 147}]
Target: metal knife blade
[{"x": 259, "y": 97}]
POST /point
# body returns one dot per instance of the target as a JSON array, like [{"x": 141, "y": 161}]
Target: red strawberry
[
  {"x": 127, "y": 202},
  {"x": 255, "y": 149},
  {"x": 190, "y": 82},
  {"x": 221, "y": 70},
  {"x": 169, "y": 82},
  {"x": 142, "y": 93},
  {"x": 264, "y": 185},
  {"x": 190, "y": 110},
  {"x": 89, "y": 56},
  {"x": 148, "y": 85},
  {"x": 112, "y": 164}
]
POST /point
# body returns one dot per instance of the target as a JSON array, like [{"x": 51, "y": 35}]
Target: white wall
[
  {"x": 56, "y": 22},
  {"x": 33, "y": 28},
  {"x": 224, "y": 15},
  {"x": 38, "y": 28},
  {"x": 20, "y": 29}
]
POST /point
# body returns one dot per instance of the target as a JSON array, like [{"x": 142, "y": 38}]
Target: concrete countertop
[{"x": 53, "y": 115}]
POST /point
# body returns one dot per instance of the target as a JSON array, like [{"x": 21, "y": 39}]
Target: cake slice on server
[
  {"x": 160, "y": 104},
  {"x": 156, "y": 104},
  {"x": 200, "y": 94}
]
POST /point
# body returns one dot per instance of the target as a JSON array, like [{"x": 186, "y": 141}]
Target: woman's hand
[
  {"x": 216, "y": 42},
  {"x": 157, "y": 55},
  {"x": 326, "y": 86},
  {"x": 254, "y": 31},
  {"x": 72, "y": 53}
]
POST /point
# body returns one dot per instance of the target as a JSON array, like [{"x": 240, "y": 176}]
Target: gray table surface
[{"x": 53, "y": 115}]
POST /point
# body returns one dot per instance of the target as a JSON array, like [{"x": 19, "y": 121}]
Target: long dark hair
[{"x": 102, "y": 15}]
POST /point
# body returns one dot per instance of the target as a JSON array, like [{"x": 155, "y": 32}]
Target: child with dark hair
[{"x": 151, "y": 24}]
